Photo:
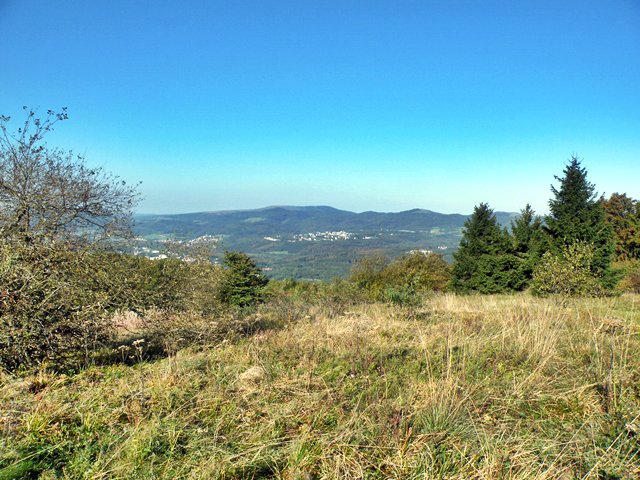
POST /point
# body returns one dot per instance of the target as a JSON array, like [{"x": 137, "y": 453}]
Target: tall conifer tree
[
  {"x": 484, "y": 261},
  {"x": 576, "y": 215},
  {"x": 529, "y": 243}
]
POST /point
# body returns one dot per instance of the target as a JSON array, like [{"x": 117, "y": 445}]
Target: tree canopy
[{"x": 51, "y": 192}]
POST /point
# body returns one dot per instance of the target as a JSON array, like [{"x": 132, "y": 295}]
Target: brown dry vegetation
[{"x": 482, "y": 387}]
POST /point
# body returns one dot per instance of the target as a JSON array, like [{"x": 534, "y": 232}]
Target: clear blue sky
[{"x": 362, "y": 105}]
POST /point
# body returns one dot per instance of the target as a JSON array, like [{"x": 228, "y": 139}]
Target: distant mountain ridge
[
  {"x": 314, "y": 242},
  {"x": 278, "y": 220}
]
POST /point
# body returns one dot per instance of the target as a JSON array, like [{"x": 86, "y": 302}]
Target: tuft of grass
[{"x": 459, "y": 387}]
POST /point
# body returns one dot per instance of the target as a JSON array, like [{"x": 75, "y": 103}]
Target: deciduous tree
[
  {"x": 51, "y": 192},
  {"x": 623, "y": 214}
]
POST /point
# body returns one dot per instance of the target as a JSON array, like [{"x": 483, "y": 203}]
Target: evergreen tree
[
  {"x": 529, "y": 244},
  {"x": 576, "y": 215},
  {"x": 484, "y": 261},
  {"x": 243, "y": 281}
]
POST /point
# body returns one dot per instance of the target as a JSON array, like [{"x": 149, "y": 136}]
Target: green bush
[
  {"x": 54, "y": 306},
  {"x": 420, "y": 271},
  {"x": 567, "y": 273},
  {"x": 367, "y": 274},
  {"x": 407, "y": 276},
  {"x": 58, "y": 299},
  {"x": 401, "y": 295}
]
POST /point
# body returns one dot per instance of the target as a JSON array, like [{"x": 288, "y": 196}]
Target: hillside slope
[{"x": 485, "y": 387}]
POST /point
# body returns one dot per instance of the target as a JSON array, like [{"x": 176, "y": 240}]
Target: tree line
[{"x": 584, "y": 246}]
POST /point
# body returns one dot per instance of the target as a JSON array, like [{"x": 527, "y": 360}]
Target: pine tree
[
  {"x": 484, "y": 261},
  {"x": 576, "y": 215},
  {"x": 243, "y": 281},
  {"x": 529, "y": 244}
]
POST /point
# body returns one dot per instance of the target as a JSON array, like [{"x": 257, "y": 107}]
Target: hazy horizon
[
  {"x": 310, "y": 206},
  {"x": 384, "y": 107}
]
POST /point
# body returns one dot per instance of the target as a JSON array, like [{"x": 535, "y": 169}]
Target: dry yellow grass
[{"x": 483, "y": 387}]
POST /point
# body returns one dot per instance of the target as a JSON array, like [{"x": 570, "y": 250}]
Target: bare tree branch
[{"x": 53, "y": 192}]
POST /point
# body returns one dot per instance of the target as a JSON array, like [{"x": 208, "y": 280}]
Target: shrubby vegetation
[
  {"x": 62, "y": 285},
  {"x": 568, "y": 273},
  {"x": 55, "y": 304},
  {"x": 402, "y": 280},
  {"x": 59, "y": 300}
]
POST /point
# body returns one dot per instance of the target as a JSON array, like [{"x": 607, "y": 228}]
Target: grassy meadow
[{"x": 460, "y": 387}]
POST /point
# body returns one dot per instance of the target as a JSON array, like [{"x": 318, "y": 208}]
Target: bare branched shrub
[{"x": 51, "y": 192}]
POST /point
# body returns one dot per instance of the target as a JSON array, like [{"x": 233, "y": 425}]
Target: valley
[{"x": 313, "y": 243}]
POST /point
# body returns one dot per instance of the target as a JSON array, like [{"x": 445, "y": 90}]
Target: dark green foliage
[
  {"x": 576, "y": 215},
  {"x": 623, "y": 214},
  {"x": 530, "y": 242},
  {"x": 243, "y": 282},
  {"x": 497, "y": 274},
  {"x": 484, "y": 261}
]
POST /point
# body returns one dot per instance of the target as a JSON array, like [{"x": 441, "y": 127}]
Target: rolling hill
[{"x": 315, "y": 242}]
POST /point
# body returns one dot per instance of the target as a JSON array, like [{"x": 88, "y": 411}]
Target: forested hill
[
  {"x": 315, "y": 242},
  {"x": 283, "y": 220}
]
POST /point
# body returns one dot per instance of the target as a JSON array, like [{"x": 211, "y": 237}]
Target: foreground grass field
[{"x": 461, "y": 387}]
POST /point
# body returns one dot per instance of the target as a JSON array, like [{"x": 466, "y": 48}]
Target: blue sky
[{"x": 377, "y": 105}]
